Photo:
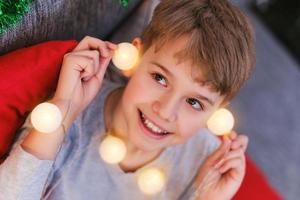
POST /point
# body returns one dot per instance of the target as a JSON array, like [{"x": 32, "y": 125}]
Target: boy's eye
[
  {"x": 195, "y": 103},
  {"x": 159, "y": 78}
]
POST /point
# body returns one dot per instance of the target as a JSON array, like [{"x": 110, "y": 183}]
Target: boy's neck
[{"x": 135, "y": 158}]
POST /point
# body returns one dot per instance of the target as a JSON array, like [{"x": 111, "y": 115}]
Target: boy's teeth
[{"x": 150, "y": 125}]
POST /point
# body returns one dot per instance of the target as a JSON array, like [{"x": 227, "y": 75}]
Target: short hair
[{"x": 221, "y": 39}]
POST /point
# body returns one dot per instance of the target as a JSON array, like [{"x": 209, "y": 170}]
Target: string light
[
  {"x": 221, "y": 122},
  {"x": 125, "y": 56},
  {"x": 46, "y": 117},
  {"x": 112, "y": 149},
  {"x": 151, "y": 180}
]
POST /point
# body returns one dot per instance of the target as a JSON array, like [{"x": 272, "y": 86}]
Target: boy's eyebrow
[
  {"x": 162, "y": 67},
  {"x": 170, "y": 74},
  {"x": 205, "y": 99}
]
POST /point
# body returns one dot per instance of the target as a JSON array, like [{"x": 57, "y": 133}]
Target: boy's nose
[{"x": 165, "y": 109}]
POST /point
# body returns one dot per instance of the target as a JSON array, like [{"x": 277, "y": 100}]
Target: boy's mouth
[{"x": 151, "y": 128}]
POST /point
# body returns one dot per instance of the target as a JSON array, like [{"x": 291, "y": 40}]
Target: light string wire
[{"x": 69, "y": 102}]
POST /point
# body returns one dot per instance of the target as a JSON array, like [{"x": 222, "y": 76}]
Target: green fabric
[{"x": 11, "y": 12}]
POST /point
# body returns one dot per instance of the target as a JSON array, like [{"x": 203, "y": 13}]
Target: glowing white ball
[
  {"x": 112, "y": 149},
  {"x": 221, "y": 122},
  {"x": 151, "y": 180},
  {"x": 125, "y": 56},
  {"x": 46, "y": 117}
]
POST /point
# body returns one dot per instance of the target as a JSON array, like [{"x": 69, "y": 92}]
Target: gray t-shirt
[{"x": 78, "y": 172}]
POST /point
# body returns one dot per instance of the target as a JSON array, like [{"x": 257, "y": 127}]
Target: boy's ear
[
  {"x": 137, "y": 42},
  {"x": 225, "y": 104}
]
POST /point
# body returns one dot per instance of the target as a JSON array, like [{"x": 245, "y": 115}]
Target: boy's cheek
[
  {"x": 183, "y": 136},
  {"x": 141, "y": 86},
  {"x": 136, "y": 91},
  {"x": 190, "y": 126}
]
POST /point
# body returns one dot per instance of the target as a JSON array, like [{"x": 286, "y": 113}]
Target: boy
[{"x": 195, "y": 56}]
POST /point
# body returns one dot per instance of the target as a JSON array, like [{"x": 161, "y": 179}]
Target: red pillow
[
  {"x": 27, "y": 77},
  {"x": 255, "y": 186}
]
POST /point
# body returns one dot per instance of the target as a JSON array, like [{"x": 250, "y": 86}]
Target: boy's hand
[
  {"x": 222, "y": 173},
  {"x": 82, "y": 74}
]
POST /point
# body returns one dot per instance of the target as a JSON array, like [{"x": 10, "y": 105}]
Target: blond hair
[{"x": 221, "y": 39}]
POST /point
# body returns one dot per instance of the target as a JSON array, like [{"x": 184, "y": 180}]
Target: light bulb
[
  {"x": 151, "y": 180},
  {"x": 125, "y": 56},
  {"x": 221, "y": 122},
  {"x": 46, "y": 117},
  {"x": 112, "y": 149}
]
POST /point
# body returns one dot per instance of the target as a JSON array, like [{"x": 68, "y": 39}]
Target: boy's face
[{"x": 162, "y": 96}]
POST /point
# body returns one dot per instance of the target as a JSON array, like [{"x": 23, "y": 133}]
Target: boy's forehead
[
  {"x": 173, "y": 53},
  {"x": 171, "y": 46}
]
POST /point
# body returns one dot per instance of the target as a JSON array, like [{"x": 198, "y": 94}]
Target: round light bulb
[
  {"x": 112, "y": 149},
  {"x": 125, "y": 56},
  {"x": 151, "y": 180},
  {"x": 221, "y": 122},
  {"x": 46, "y": 117}
]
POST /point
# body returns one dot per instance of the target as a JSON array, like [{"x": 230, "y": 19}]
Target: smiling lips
[{"x": 152, "y": 127}]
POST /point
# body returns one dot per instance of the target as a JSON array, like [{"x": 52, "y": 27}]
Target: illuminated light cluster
[
  {"x": 46, "y": 117},
  {"x": 125, "y": 56},
  {"x": 221, "y": 122},
  {"x": 112, "y": 149},
  {"x": 151, "y": 180}
]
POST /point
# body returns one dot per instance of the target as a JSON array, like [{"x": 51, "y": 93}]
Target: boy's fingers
[
  {"x": 216, "y": 157},
  {"x": 235, "y": 163},
  {"x": 233, "y": 135},
  {"x": 91, "y": 43},
  {"x": 234, "y": 154},
  {"x": 240, "y": 142},
  {"x": 111, "y": 45},
  {"x": 102, "y": 68},
  {"x": 70, "y": 77},
  {"x": 105, "y": 52},
  {"x": 94, "y": 55}
]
